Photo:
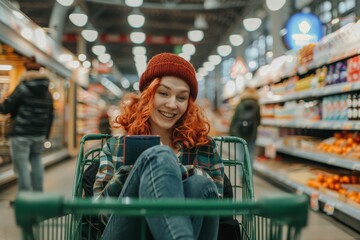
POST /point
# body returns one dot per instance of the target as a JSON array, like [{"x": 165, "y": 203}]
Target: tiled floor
[{"x": 59, "y": 179}]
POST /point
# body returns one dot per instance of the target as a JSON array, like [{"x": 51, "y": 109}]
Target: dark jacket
[
  {"x": 30, "y": 106},
  {"x": 248, "y": 97}
]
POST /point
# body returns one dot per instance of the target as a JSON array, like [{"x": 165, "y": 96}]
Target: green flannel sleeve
[{"x": 210, "y": 161}]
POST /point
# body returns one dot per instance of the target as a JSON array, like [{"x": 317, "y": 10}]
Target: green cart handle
[{"x": 33, "y": 207}]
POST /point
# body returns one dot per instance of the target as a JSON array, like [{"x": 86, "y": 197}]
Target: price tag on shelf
[
  {"x": 346, "y": 87},
  {"x": 324, "y": 125},
  {"x": 299, "y": 191},
  {"x": 314, "y": 201},
  {"x": 347, "y": 126},
  {"x": 356, "y": 166},
  {"x": 270, "y": 150},
  {"x": 329, "y": 208},
  {"x": 331, "y": 160}
]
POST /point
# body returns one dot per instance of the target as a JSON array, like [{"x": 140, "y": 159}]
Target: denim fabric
[
  {"x": 26, "y": 155},
  {"x": 156, "y": 174}
]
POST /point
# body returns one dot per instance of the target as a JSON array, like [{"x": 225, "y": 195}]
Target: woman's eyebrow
[{"x": 169, "y": 88}]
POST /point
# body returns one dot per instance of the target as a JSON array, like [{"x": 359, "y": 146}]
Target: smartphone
[{"x": 135, "y": 145}]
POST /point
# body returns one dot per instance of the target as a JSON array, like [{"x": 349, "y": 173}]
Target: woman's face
[{"x": 170, "y": 103}]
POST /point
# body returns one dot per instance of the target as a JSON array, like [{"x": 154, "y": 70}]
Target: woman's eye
[
  {"x": 181, "y": 98},
  {"x": 163, "y": 93}
]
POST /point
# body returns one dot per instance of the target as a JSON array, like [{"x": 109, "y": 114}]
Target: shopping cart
[{"x": 45, "y": 216}]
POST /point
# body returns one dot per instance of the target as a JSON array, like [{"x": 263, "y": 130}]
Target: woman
[{"x": 185, "y": 165}]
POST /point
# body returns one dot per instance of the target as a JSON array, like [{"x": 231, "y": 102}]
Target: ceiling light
[
  {"x": 18, "y": 14},
  {"x": 89, "y": 35},
  {"x": 137, "y": 37},
  {"x": 98, "y": 49},
  {"x": 136, "y": 84},
  {"x": 139, "y": 50},
  {"x": 209, "y": 66},
  {"x": 236, "y": 39},
  {"x": 209, "y": 4},
  {"x": 136, "y": 19},
  {"x": 196, "y": 35},
  {"x": 27, "y": 33},
  {"x": 86, "y": 64},
  {"x": 252, "y": 24},
  {"x": 185, "y": 56},
  {"x": 134, "y": 3},
  {"x": 64, "y": 57},
  {"x": 275, "y": 5},
  {"x": 104, "y": 58},
  {"x": 200, "y": 22},
  {"x": 140, "y": 58},
  {"x": 65, "y": 3},
  {"x": 125, "y": 83},
  {"x": 78, "y": 18},
  {"x": 189, "y": 49},
  {"x": 74, "y": 64},
  {"x": 202, "y": 71},
  {"x": 82, "y": 57},
  {"x": 215, "y": 59},
  {"x": 224, "y": 50}
]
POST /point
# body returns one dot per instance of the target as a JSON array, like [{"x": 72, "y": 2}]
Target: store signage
[
  {"x": 123, "y": 38},
  {"x": 302, "y": 29},
  {"x": 238, "y": 68}
]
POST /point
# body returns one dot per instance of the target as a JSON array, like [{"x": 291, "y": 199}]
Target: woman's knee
[
  {"x": 199, "y": 186},
  {"x": 159, "y": 157},
  {"x": 159, "y": 153}
]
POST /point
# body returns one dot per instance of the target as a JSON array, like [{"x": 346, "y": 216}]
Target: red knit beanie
[{"x": 168, "y": 64}]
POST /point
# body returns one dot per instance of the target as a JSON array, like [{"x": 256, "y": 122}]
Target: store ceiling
[{"x": 164, "y": 18}]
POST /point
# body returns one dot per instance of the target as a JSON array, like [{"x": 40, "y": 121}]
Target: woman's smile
[{"x": 167, "y": 114}]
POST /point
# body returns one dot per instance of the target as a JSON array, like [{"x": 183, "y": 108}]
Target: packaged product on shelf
[
  {"x": 341, "y": 143},
  {"x": 342, "y": 187}
]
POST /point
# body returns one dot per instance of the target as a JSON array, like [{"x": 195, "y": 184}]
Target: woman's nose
[{"x": 171, "y": 102}]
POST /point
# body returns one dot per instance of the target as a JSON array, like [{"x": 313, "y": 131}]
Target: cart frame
[{"x": 281, "y": 217}]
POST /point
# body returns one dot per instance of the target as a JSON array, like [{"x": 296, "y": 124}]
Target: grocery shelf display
[{"x": 309, "y": 136}]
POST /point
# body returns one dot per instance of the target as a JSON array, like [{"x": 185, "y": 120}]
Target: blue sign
[{"x": 302, "y": 29}]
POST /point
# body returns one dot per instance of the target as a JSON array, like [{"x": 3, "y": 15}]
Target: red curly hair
[{"x": 191, "y": 129}]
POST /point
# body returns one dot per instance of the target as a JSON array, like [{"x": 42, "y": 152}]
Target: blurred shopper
[
  {"x": 104, "y": 124},
  {"x": 185, "y": 165},
  {"x": 246, "y": 119},
  {"x": 31, "y": 109}
]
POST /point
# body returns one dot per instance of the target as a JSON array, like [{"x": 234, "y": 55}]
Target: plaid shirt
[{"x": 112, "y": 174}]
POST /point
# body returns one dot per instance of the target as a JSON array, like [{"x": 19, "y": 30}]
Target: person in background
[
  {"x": 185, "y": 165},
  {"x": 246, "y": 119},
  {"x": 104, "y": 124},
  {"x": 31, "y": 108}
]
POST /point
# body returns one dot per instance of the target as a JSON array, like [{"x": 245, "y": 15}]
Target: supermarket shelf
[
  {"x": 8, "y": 175},
  {"x": 347, "y": 53},
  {"x": 316, "y": 92},
  {"x": 322, "y": 124},
  {"x": 332, "y": 160},
  {"x": 299, "y": 188}
]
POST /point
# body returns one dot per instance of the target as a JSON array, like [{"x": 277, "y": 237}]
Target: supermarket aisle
[{"x": 59, "y": 179}]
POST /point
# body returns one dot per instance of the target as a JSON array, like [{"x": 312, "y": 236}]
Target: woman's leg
[
  {"x": 201, "y": 187},
  {"x": 37, "y": 167},
  {"x": 156, "y": 174},
  {"x": 20, "y": 150}
]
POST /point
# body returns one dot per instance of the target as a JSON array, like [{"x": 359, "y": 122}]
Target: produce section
[{"x": 309, "y": 139}]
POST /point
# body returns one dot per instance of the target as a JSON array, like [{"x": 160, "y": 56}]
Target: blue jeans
[
  {"x": 27, "y": 150},
  {"x": 156, "y": 174}
]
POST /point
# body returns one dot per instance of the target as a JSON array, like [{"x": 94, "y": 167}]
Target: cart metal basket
[{"x": 45, "y": 216}]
